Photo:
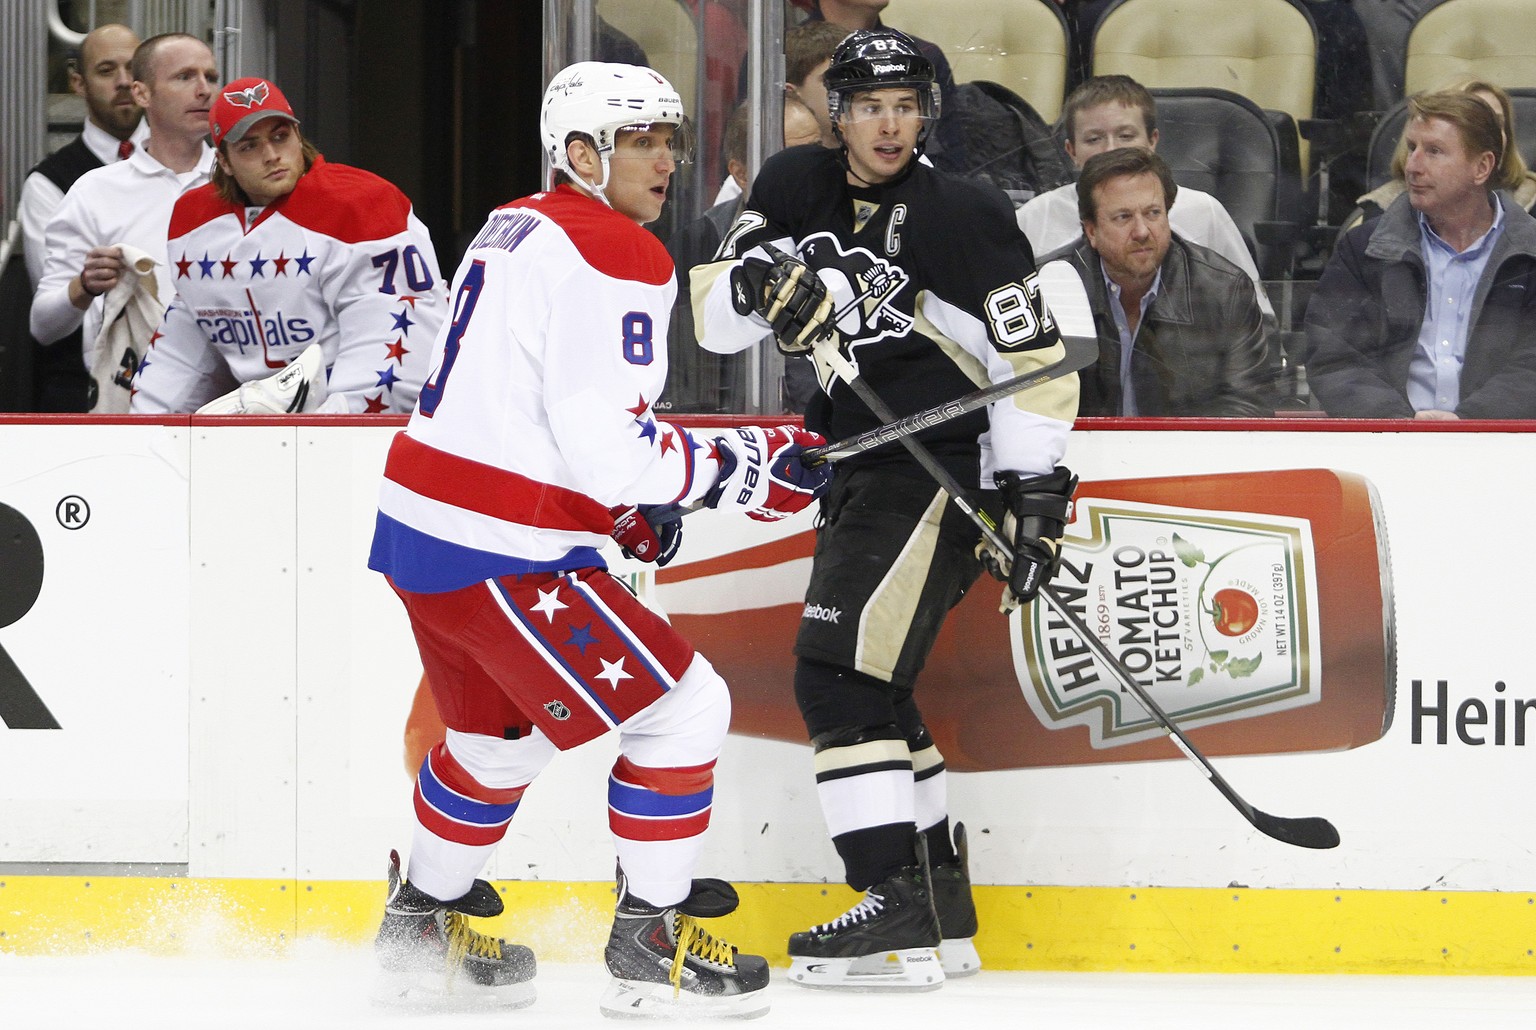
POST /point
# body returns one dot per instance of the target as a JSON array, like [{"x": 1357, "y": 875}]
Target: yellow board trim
[{"x": 1085, "y": 929}]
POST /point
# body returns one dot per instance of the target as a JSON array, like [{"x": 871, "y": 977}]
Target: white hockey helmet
[{"x": 597, "y": 100}]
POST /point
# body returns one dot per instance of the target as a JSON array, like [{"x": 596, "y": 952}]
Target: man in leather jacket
[{"x": 1179, "y": 329}]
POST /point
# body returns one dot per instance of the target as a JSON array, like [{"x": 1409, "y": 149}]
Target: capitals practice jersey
[
  {"x": 342, "y": 261},
  {"x": 536, "y": 417},
  {"x": 935, "y": 295}
]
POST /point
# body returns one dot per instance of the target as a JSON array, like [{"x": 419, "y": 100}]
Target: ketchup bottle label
[{"x": 1211, "y": 611}]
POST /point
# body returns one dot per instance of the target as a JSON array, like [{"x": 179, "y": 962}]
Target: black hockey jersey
[{"x": 935, "y": 296}]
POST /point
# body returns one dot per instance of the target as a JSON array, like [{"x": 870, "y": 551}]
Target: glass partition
[{"x": 1013, "y": 65}]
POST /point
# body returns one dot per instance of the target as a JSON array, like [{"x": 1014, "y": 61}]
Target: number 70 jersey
[{"x": 342, "y": 261}]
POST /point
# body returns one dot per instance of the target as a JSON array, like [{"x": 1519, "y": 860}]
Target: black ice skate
[
  {"x": 885, "y": 942},
  {"x": 432, "y": 958},
  {"x": 956, "y": 910},
  {"x": 665, "y": 964}
]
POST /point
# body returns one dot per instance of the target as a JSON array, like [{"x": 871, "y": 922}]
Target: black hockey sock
[
  {"x": 941, "y": 849},
  {"x": 874, "y": 854}
]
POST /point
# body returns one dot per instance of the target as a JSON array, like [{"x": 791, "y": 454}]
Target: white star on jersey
[
  {"x": 613, "y": 672},
  {"x": 549, "y": 603}
]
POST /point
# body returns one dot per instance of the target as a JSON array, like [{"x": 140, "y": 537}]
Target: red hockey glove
[
  {"x": 650, "y": 532},
  {"x": 761, "y": 471}
]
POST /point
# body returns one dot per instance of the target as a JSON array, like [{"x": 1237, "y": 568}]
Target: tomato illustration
[{"x": 1234, "y": 611}]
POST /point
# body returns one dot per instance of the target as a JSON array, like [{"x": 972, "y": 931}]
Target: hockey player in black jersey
[{"x": 924, "y": 283}]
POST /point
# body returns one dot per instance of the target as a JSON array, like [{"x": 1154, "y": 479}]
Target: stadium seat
[
  {"x": 1265, "y": 50},
  {"x": 1222, "y": 143},
  {"x": 1022, "y": 45},
  {"x": 1491, "y": 39}
]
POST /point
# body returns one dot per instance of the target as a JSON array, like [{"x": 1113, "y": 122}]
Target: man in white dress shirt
[{"x": 130, "y": 202}]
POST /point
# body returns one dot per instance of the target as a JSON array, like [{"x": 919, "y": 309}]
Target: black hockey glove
[
  {"x": 650, "y": 532},
  {"x": 1036, "y": 511},
  {"x": 788, "y": 295}
]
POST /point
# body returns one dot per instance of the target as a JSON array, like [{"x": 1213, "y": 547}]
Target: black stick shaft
[{"x": 1080, "y": 352}]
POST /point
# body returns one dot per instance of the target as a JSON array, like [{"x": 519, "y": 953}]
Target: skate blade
[
  {"x": 912, "y": 969},
  {"x": 635, "y": 999},
  {"x": 431, "y": 993},
  {"x": 958, "y": 957}
]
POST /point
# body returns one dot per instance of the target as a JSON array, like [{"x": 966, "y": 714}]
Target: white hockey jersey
[
  {"x": 536, "y": 417},
  {"x": 341, "y": 261}
]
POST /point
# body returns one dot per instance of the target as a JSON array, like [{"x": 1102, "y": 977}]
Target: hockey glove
[
  {"x": 299, "y": 387},
  {"x": 649, "y": 532},
  {"x": 788, "y": 295},
  {"x": 1036, "y": 511},
  {"x": 761, "y": 471}
]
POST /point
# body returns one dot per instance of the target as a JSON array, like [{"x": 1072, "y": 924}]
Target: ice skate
[
  {"x": 433, "y": 959},
  {"x": 665, "y": 964},
  {"x": 956, "y": 910},
  {"x": 886, "y": 942}
]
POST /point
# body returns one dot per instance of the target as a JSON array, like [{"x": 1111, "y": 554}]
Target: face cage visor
[
  {"x": 844, "y": 103},
  {"x": 681, "y": 145}
]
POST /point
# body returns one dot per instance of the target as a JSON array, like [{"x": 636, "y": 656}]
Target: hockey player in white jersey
[
  {"x": 533, "y": 442},
  {"x": 284, "y": 256}
]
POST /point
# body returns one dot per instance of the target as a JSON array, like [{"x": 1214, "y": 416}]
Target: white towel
[{"x": 130, "y": 315}]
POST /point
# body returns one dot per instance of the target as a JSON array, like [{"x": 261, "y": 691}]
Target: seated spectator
[
  {"x": 1112, "y": 111},
  {"x": 1430, "y": 310},
  {"x": 1512, "y": 173},
  {"x": 695, "y": 244},
  {"x": 127, "y": 204},
  {"x": 284, "y": 256},
  {"x": 1178, "y": 326},
  {"x": 807, "y": 55}
]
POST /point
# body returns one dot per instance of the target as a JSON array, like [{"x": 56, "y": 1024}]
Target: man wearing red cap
[{"x": 300, "y": 285}]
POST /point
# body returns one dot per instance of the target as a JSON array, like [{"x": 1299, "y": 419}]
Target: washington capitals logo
[{"x": 251, "y": 96}]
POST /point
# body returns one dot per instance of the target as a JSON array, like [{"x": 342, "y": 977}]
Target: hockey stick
[
  {"x": 1303, "y": 832},
  {"x": 1062, "y": 290},
  {"x": 1081, "y": 351}
]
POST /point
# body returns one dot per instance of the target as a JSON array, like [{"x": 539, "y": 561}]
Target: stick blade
[{"x": 1309, "y": 831}]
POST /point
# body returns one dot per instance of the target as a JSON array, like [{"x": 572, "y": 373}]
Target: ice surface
[{"x": 326, "y": 987}]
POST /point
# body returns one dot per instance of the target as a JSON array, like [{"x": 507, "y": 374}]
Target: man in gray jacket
[
  {"x": 1429, "y": 311},
  {"x": 1178, "y": 325}
]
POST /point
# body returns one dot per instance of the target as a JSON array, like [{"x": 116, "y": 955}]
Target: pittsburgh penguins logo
[
  {"x": 557, "y": 710},
  {"x": 863, "y": 288}
]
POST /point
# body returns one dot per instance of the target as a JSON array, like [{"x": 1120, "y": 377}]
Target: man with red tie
[{"x": 114, "y": 127}]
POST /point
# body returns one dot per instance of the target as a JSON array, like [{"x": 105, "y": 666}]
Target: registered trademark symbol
[{"x": 72, "y": 512}]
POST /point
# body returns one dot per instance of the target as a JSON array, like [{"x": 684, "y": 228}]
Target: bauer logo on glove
[
  {"x": 761, "y": 471},
  {"x": 788, "y": 295}
]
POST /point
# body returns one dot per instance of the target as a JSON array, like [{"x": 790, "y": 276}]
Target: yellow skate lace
[
  {"x": 693, "y": 939},
  {"x": 464, "y": 941}
]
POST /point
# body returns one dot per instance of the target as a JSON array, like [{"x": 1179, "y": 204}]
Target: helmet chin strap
[{"x": 596, "y": 189}]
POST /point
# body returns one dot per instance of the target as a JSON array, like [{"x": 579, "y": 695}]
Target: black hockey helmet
[{"x": 880, "y": 59}]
